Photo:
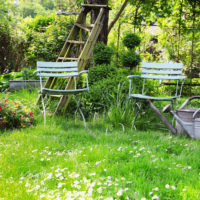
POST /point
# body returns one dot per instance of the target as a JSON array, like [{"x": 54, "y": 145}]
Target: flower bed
[{"x": 13, "y": 114}]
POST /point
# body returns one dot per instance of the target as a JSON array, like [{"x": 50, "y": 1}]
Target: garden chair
[
  {"x": 61, "y": 70},
  {"x": 157, "y": 72}
]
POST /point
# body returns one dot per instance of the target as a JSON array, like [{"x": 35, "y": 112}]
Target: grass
[{"x": 63, "y": 160}]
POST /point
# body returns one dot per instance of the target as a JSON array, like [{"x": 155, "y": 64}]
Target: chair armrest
[
  {"x": 134, "y": 76},
  {"x": 35, "y": 72},
  {"x": 84, "y": 71}
]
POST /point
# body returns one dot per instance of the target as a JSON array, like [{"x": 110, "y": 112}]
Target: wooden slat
[
  {"x": 63, "y": 58},
  {"x": 83, "y": 27},
  {"x": 57, "y": 70},
  {"x": 76, "y": 42},
  {"x": 58, "y": 74},
  {"x": 168, "y": 72},
  {"x": 140, "y": 96},
  {"x": 162, "y": 65},
  {"x": 63, "y": 92},
  {"x": 57, "y": 64},
  {"x": 163, "y": 77}
]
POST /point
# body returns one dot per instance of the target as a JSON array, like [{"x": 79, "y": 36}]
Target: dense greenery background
[{"x": 30, "y": 30}]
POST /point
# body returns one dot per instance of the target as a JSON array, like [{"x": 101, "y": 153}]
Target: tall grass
[{"x": 121, "y": 111}]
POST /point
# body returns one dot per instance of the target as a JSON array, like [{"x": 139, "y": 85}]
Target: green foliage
[
  {"x": 45, "y": 37},
  {"x": 41, "y": 22},
  {"x": 102, "y": 54},
  {"x": 103, "y": 91},
  {"x": 131, "y": 40},
  {"x": 131, "y": 59},
  {"x": 100, "y": 72}
]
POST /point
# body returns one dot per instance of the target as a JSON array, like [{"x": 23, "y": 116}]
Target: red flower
[
  {"x": 5, "y": 100},
  {"x": 0, "y": 108},
  {"x": 31, "y": 114}
]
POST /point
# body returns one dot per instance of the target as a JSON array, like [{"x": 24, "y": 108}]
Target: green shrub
[
  {"x": 131, "y": 59},
  {"x": 100, "y": 72},
  {"x": 131, "y": 41},
  {"x": 102, "y": 54},
  {"x": 15, "y": 115},
  {"x": 44, "y": 37},
  {"x": 102, "y": 93}
]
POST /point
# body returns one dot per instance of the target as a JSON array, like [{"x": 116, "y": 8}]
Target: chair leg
[
  {"x": 173, "y": 103},
  {"x": 43, "y": 105},
  {"x": 78, "y": 108},
  {"x": 133, "y": 122}
]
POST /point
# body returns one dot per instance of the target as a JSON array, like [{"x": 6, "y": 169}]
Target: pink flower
[{"x": 0, "y": 108}]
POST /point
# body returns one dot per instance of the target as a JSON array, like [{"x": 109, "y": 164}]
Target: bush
[
  {"x": 15, "y": 115},
  {"x": 131, "y": 59},
  {"x": 131, "y": 41},
  {"x": 102, "y": 54},
  {"x": 44, "y": 35},
  {"x": 102, "y": 93},
  {"x": 100, "y": 72}
]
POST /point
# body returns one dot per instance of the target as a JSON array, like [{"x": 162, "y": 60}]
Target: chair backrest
[
  {"x": 170, "y": 71},
  {"x": 57, "y": 69}
]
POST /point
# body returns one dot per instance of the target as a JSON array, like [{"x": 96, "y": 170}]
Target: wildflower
[
  {"x": 23, "y": 125},
  {"x": 31, "y": 114},
  {"x": 156, "y": 189},
  {"x": 173, "y": 187},
  {"x": 0, "y": 108},
  {"x": 99, "y": 190},
  {"x": 155, "y": 197},
  {"x": 143, "y": 198},
  {"x": 119, "y": 193},
  {"x": 167, "y": 186},
  {"x": 5, "y": 100}
]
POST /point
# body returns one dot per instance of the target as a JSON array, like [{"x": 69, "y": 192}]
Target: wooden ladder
[{"x": 78, "y": 47}]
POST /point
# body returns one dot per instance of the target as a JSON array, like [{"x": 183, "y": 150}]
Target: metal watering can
[{"x": 187, "y": 119}]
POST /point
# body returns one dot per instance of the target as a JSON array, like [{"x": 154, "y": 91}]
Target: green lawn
[{"x": 63, "y": 160}]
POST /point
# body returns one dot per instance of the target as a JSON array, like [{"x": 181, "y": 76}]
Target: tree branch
[{"x": 117, "y": 16}]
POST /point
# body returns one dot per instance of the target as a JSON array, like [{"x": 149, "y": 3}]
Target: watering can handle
[
  {"x": 195, "y": 113},
  {"x": 188, "y": 100}
]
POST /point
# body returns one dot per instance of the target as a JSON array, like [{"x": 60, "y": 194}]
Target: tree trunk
[{"x": 104, "y": 32}]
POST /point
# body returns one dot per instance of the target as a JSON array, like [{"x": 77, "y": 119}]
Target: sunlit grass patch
[{"x": 62, "y": 160}]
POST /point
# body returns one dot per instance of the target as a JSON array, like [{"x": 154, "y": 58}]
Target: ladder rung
[
  {"x": 94, "y": 6},
  {"x": 63, "y": 58},
  {"x": 83, "y": 27},
  {"x": 76, "y": 42},
  {"x": 89, "y": 25}
]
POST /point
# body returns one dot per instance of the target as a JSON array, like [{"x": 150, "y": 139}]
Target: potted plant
[{"x": 27, "y": 80}]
